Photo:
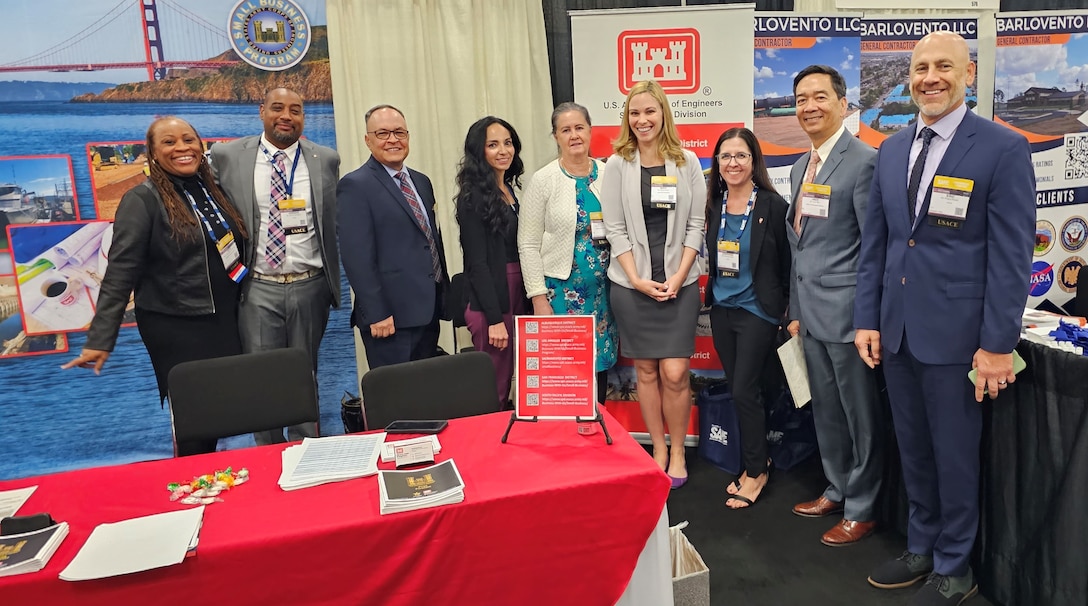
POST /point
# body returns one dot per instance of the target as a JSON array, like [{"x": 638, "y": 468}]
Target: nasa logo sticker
[
  {"x": 1044, "y": 237},
  {"x": 272, "y": 35},
  {"x": 1074, "y": 234},
  {"x": 1068, "y": 273},
  {"x": 1042, "y": 278}
]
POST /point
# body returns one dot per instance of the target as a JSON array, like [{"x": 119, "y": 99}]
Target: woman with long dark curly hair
[
  {"x": 748, "y": 290},
  {"x": 487, "y": 211},
  {"x": 177, "y": 242}
]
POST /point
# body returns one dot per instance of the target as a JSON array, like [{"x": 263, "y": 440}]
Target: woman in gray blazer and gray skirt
[{"x": 652, "y": 196}]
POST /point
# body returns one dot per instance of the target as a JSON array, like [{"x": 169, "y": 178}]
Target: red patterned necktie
[
  {"x": 276, "y": 249},
  {"x": 810, "y": 176},
  {"x": 421, "y": 220}
]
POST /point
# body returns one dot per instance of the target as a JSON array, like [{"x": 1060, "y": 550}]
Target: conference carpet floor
[{"x": 766, "y": 556}]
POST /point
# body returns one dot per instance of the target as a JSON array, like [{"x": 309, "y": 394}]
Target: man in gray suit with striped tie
[
  {"x": 285, "y": 189},
  {"x": 830, "y": 192}
]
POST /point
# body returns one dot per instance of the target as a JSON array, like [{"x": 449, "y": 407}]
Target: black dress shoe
[
  {"x": 904, "y": 571},
  {"x": 944, "y": 590}
]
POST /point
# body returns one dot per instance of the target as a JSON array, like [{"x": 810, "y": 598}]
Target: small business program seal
[{"x": 271, "y": 35}]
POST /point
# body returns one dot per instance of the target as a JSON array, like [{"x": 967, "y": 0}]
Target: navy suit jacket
[
  {"x": 385, "y": 253},
  {"x": 951, "y": 291}
]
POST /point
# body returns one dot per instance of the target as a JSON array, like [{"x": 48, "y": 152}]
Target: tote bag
[{"x": 719, "y": 432}]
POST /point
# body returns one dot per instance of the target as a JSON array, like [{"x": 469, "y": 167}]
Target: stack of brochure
[
  {"x": 30, "y": 551},
  {"x": 334, "y": 459},
  {"x": 136, "y": 545},
  {"x": 432, "y": 486}
]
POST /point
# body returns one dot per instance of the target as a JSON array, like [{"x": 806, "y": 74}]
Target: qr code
[
  {"x": 532, "y": 328},
  {"x": 532, "y": 399},
  {"x": 532, "y": 381},
  {"x": 532, "y": 363},
  {"x": 1076, "y": 156},
  {"x": 532, "y": 345}
]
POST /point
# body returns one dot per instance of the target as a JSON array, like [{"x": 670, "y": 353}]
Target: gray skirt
[{"x": 652, "y": 330}]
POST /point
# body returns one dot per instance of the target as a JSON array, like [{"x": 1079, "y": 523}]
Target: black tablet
[{"x": 416, "y": 426}]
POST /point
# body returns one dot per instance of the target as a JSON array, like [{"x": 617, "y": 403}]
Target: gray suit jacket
[
  {"x": 625, "y": 225},
  {"x": 825, "y": 257},
  {"x": 233, "y": 163}
]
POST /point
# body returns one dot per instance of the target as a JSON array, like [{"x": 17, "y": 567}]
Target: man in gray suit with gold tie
[
  {"x": 830, "y": 192},
  {"x": 285, "y": 189}
]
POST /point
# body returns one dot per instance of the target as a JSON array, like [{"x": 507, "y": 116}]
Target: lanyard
[
  {"x": 294, "y": 165},
  {"x": 203, "y": 219},
  {"x": 744, "y": 221}
]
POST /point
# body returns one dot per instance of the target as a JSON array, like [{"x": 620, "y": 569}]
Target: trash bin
[{"x": 690, "y": 576}]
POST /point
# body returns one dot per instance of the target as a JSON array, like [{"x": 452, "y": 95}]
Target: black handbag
[
  {"x": 791, "y": 432},
  {"x": 351, "y": 413}
]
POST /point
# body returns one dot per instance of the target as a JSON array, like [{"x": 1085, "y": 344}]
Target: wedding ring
[{"x": 1002, "y": 382}]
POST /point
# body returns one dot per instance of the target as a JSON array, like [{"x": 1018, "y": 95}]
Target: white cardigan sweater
[{"x": 546, "y": 225}]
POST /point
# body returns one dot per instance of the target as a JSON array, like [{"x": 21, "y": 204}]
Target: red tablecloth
[{"x": 550, "y": 518}]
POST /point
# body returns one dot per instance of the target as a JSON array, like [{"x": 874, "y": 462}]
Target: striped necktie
[
  {"x": 276, "y": 250},
  {"x": 810, "y": 177},
  {"x": 421, "y": 220}
]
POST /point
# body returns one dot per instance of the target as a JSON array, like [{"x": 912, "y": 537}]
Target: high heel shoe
[{"x": 676, "y": 482}]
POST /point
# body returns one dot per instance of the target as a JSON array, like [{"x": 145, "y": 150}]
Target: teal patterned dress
[{"x": 585, "y": 292}]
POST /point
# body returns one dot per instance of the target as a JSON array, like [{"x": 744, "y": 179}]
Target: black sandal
[{"x": 742, "y": 499}]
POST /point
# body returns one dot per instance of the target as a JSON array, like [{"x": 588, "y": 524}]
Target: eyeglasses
[
  {"x": 383, "y": 135},
  {"x": 741, "y": 158}
]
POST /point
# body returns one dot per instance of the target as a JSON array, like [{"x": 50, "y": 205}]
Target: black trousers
[{"x": 743, "y": 341}]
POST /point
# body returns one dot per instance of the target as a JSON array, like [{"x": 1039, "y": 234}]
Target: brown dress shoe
[
  {"x": 847, "y": 532},
  {"x": 818, "y": 508}
]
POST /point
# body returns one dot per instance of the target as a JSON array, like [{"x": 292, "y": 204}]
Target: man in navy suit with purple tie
[
  {"x": 942, "y": 282},
  {"x": 391, "y": 247}
]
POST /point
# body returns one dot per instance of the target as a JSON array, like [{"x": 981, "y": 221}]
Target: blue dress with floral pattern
[{"x": 585, "y": 292}]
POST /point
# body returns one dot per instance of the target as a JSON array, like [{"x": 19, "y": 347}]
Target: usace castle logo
[
  {"x": 269, "y": 34},
  {"x": 670, "y": 56}
]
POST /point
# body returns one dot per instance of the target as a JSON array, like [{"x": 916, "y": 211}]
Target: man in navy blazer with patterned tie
[
  {"x": 391, "y": 247},
  {"x": 942, "y": 283}
]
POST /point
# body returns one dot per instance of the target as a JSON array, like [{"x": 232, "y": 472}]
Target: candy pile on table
[{"x": 205, "y": 489}]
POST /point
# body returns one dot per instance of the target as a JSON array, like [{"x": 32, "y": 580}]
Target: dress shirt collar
[
  {"x": 825, "y": 149},
  {"x": 272, "y": 149},
  {"x": 946, "y": 126}
]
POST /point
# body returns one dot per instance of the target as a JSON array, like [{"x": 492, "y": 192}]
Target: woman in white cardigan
[
  {"x": 563, "y": 265},
  {"x": 653, "y": 193}
]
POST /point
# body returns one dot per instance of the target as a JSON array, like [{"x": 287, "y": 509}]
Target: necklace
[{"x": 580, "y": 173}]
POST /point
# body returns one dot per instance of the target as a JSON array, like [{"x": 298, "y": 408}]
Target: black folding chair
[
  {"x": 223, "y": 397},
  {"x": 444, "y": 387}
]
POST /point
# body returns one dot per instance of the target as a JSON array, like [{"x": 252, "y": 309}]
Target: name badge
[
  {"x": 728, "y": 258},
  {"x": 596, "y": 226},
  {"x": 948, "y": 201},
  {"x": 228, "y": 253},
  {"x": 293, "y": 216},
  {"x": 815, "y": 200},
  {"x": 663, "y": 193}
]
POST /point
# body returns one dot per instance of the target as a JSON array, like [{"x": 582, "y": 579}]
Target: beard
[{"x": 285, "y": 139}]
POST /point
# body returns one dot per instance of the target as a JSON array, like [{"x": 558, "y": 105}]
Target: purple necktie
[{"x": 421, "y": 219}]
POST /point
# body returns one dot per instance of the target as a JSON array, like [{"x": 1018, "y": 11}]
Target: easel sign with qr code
[{"x": 555, "y": 361}]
